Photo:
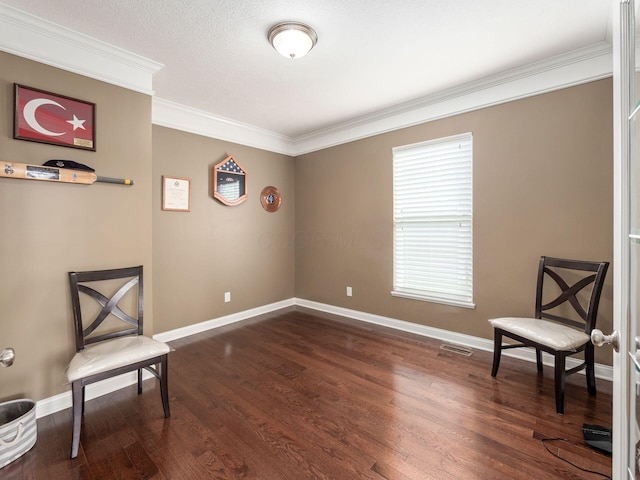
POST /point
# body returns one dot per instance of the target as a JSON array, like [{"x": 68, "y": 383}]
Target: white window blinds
[{"x": 433, "y": 220}]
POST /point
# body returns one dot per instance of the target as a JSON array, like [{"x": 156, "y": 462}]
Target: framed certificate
[{"x": 176, "y": 194}]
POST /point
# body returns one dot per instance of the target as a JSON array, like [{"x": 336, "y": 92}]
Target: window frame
[{"x": 460, "y": 290}]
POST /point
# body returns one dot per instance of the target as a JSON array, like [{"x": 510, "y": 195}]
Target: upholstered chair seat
[
  {"x": 545, "y": 332},
  {"x": 112, "y": 354}
]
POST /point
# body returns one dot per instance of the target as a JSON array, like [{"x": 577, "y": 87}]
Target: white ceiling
[{"x": 371, "y": 54}]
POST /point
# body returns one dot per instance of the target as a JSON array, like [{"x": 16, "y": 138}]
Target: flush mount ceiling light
[{"x": 292, "y": 39}]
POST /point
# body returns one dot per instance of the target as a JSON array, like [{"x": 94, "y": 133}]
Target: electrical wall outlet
[
  {"x": 227, "y": 296},
  {"x": 349, "y": 292}
]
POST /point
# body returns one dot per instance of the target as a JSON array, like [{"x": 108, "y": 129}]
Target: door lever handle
[{"x": 7, "y": 356}]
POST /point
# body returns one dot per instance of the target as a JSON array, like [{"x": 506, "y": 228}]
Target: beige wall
[
  {"x": 48, "y": 229},
  {"x": 543, "y": 185},
  {"x": 242, "y": 249}
]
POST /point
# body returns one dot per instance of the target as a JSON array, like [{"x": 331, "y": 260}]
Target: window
[{"x": 433, "y": 221}]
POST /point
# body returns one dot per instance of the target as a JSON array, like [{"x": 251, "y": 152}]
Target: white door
[{"x": 626, "y": 254}]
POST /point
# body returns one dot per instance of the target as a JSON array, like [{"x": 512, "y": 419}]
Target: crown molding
[
  {"x": 180, "y": 117},
  {"x": 31, "y": 37},
  {"x": 573, "y": 68},
  {"x": 37, "y": 39}
]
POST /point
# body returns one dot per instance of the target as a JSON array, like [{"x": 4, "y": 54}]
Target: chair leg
[
  {"x": 497, "y": 351},
  {"x": 559, "y": 382},
  {"x": 164, "y": 386},
  {"x": 539, "y": 360},
  {"x": 78, "y": 407},
  {"x": 139, "y": 381},
  {"x": 589, "y": 358}
]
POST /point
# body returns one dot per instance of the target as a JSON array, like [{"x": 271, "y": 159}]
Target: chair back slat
[
  {"x": 560, "y": 270},
  {"x": 110, "y": 335},
  {"x": 109, "y": 306},
  {"x": 568, "y": 293},
  {"x": 131, "y": 277}
]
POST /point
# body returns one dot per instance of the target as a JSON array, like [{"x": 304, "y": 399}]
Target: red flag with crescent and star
[{"x": 49, "y": 118}]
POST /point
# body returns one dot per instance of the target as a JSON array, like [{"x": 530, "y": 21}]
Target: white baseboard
[
  {"x": 222, "y": 321},
  {"x": 604, "y": 372},
  {"x": 59, "y": 402}
]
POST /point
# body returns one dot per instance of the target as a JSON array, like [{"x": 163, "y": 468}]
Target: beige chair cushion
[
  {"x": 110, "y": 354},
  {"x": 551, "y": 334}
]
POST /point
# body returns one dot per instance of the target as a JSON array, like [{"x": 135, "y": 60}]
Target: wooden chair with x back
[
  {"x": 110, "y": 341},
  {"x": 561, "y": 325}
]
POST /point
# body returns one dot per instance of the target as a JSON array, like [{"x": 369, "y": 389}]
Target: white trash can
[{"x": 18, "y": 431}]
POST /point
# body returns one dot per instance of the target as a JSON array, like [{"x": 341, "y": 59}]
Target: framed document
[{"x": 176, "y": 194}]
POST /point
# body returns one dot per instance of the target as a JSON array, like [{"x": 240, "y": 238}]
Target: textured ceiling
[{"x": 371, "y": 54}]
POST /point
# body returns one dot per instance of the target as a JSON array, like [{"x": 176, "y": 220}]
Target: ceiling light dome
[{"x": 292, "y": 39}]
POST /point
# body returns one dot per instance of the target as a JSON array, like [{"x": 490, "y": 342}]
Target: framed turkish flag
[{"x": 46, "y": 117}]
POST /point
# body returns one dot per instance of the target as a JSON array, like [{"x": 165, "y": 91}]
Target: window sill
[{"x": 426, "y": 298}]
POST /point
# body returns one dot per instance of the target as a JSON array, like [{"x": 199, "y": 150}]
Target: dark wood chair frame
[
  {"x": 588, "y": 316},
  {"x": 158, "y": 365}
]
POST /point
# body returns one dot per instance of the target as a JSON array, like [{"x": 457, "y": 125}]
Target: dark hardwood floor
[{"x": 301, "y": 396}]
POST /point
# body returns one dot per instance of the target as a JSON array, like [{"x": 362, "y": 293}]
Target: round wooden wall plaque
[{"x": 270, "y": 199}]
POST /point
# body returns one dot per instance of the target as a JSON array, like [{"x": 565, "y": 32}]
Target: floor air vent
[{"x": 457, "y": 349}]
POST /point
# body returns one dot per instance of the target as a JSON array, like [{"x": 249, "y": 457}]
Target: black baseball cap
[{"x": 68, "y": 164}]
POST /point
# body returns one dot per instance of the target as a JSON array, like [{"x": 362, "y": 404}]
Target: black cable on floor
[{"x": 544, "y": 440}]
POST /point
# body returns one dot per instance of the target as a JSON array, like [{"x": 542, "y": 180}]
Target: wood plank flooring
[{"x": 297, "y": 396}]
